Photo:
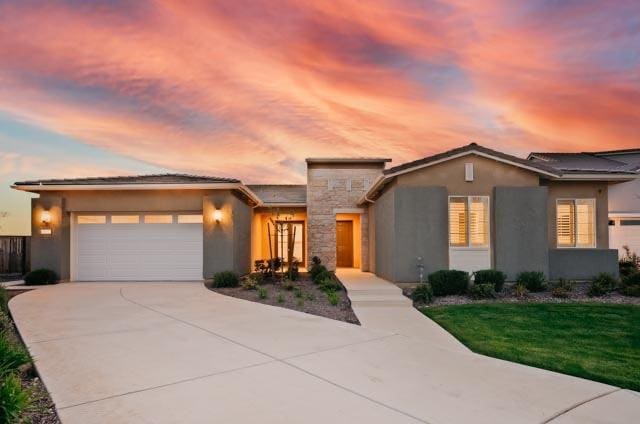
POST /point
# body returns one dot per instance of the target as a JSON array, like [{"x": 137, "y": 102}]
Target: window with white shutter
[
  {"x": 469, "y": 221},
  {"x": 576, "y": 223}
]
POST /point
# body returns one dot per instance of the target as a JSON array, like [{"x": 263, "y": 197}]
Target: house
[
  {"x": 468, "y": 208},
  {"x": 624, "y": 198}
]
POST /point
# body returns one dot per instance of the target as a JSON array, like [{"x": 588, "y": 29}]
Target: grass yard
[{"x": 595, "y": 341}]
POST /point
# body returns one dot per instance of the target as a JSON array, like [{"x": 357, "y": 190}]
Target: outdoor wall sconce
[
  {"x": 217, "y": 215},
  {"x": 46, "y": 221},
  {"x": 46, "y": 218}
]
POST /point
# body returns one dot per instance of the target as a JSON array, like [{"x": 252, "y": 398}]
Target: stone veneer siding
[{"x": 336, "y": 188}]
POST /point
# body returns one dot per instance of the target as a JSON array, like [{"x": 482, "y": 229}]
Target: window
[
  {"x": 125, "y": 219},
  {"x": 189, "y": 219},
  {"x": 630, "y": 222},
  {"x": 576, "y": 222},
  {"x": 92, "y": 219},
  {"x": 158, "y": 219},
  {"x": 469, "y": 221}
]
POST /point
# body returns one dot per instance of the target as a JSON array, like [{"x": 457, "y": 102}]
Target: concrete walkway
[
  {"x": 379, "y": 304},
  {"x": 179, "y": 353}
]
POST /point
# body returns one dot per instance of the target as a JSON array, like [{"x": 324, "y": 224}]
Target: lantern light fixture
[
  {"x": 46, "y": 217},
  {"x": 217, "y": 215}
]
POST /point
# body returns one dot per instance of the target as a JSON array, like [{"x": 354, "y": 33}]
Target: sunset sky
[{"x": 249, "y": 88}]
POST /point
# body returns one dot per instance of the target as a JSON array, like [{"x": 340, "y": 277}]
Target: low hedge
[
  {"x": 422, "y": 293},
  {"x": 534, "y": 281},
  {"x": 41, "y": 276},
  {"x": 482, "y": 291},
  {"x": 490, "y": 276},
  {"x": 449, "y": 281},
  {"x": 226, "y": 279},
  {"x": 631, "y": 285},
  {"x": 602, "y": 284}
]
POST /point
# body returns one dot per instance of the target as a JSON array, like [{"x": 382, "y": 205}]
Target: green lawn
[{"x": 595, "y": 341}]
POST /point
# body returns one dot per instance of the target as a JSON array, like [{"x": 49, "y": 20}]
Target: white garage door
[
  {"x": 137, "y": 247},
  {"x": 625, "y": 232}
]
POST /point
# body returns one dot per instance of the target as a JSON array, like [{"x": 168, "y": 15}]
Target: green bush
[
  {"x": 333, "y": 298},
  {"x": 41, "y": 276},
  {"x": 323, "y": 275},
  {"x": 482, "y": 291},
  {"x": 14, "y": 400},
  {"x": 280, "y": 298},
  {"x": 5, "y": 323},
  {"x": 631, "y": 285},
  {"x": 329, "y": 284},
  {"x": 490, "y": 276},
  {"x": 12, "y": 355},
  {"x": 4, "y": 300},
  {"x": 250, "y": 283},
  {"x": 317, "y": 270},
  {"x": 534, "y": 281},
  {"x": 226, "y": 279},
  {"x": 288, "y": 285},
  {"x": 449, "y": 281},
  {"x": 520, "y": 290},
  {"x": 423, "y": 293},
  {"x": 602, "y": 284}
]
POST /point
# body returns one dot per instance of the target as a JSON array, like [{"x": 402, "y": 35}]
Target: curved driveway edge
[{"x": 169, "y": 353}]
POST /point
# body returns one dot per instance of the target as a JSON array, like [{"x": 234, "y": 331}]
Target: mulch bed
[
  {"x": 42, "y": 409},
  {"x": 579, "y": 294},
  {"x": 313, "y": 300}
]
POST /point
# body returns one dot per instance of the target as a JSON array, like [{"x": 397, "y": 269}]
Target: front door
[{"x": 344, "y": 244}]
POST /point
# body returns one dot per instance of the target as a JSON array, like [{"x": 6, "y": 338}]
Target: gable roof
[
  {"x": 281, "y": 194},
  {"x": 131, "y": 179},
  {"x": 541, "y": 167},
  {"x": 583, "y": 162}
]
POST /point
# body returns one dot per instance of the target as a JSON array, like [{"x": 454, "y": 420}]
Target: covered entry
[{"x": 348, "y": 240}]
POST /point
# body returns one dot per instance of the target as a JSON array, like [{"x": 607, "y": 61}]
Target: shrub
[
  {"x": 310, "y": 297},
  {"x": 629, "y": 263},
  {"x": 562, "y": 288},
  {"x": 293, "y": 271},
  {"x": 41, "y": 276},
  {"x": 631, "y": 285},
  {"x": 423, "y": 293},
  {"x": 14, "y": 400},
  {"x": 333, "y": 298},
  {"x": 300, "y": 303},
  {"x": 490, "y": 276},
  {"x": 288, "y": 285},
  {"x": 534, "y": 281},
  {"x": 226, "y": 279},
  {"x": 280, "y": 298},
  {"x": 482, "y": 291},
  {"x": 446, "y": 282},
  {"x": 5, "y": 323},
  {"x": 601, "y": 284},
  {"x": 520, "y": 290},
  {"x": 12, "y": 355},
  {"x": 329, "y": 284},
  {"x": 250, "y": 283},
  {"x": 324, "y": 275},
  {"x": 317, "y": 270},
  {"x": 4, "y": 300},
  {"x": 262, "y": 293},
  {"x": 297, "y": 292}
]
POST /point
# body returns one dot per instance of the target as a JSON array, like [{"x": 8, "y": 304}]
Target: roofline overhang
[
  {"x": 283, "y": 205},
  {"x": 37, "y": 188},
  {"x": 348, "y": 160},
  {"x": 597, "y": 177}
]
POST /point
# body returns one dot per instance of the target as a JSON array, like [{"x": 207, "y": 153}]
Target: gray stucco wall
[
  {"x": 420, "y": 230},
  {"x": 50, "y": 251},
  {"x": 520, "y": 230},
  {"x": 582, "y": 264},
  {"x": 385, "y": 235},
  {"x": 227, "y": 244}
]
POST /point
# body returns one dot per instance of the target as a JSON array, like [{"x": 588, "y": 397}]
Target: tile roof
[
  {"x": 133, "y": 179},
  {"x": 471, "y": 147},
  {"x": 280, "y": 193},
  {"x": 583, "y": 162}
]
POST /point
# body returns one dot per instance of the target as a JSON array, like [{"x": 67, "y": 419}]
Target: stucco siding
[
  {"x": 582, "y": 264},
  {"x": 420, "y": 231},
  {"x": 385, "y": 235},
  {"x": 132, "y": 200},
  {"x": 520, "y": 230},
  {"x": 625, "y": 197},
  {"x": 50, "y": 250}
]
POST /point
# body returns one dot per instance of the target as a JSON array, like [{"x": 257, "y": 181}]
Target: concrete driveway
[{"x": 178, "y": 353}]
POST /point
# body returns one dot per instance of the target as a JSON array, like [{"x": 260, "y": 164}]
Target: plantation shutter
[
  {"x": 565, "y": 223},
  {"x": 458, "y": 221},
  {"x": 479, "y": 221},
  {"x": 585, "y": 223}
]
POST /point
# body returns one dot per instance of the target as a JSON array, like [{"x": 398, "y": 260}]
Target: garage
[
  {"x": 152, "y": 246},
  {"x": 624, "y": 231}
]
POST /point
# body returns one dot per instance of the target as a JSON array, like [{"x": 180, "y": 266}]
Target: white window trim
[
  {"x": 595, "y": 222},
  {"x": 469, "y": 247}
]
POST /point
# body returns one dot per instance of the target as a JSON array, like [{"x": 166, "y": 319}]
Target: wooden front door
[{"x": 344, "y": 244}]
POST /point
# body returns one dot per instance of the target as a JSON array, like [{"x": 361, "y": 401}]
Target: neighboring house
[
  {"x": 624, "y": 198},
  {"x": 469, "y": 208}
]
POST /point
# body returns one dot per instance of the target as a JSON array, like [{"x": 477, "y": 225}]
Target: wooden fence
[{"x": 14, "y": 255}]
